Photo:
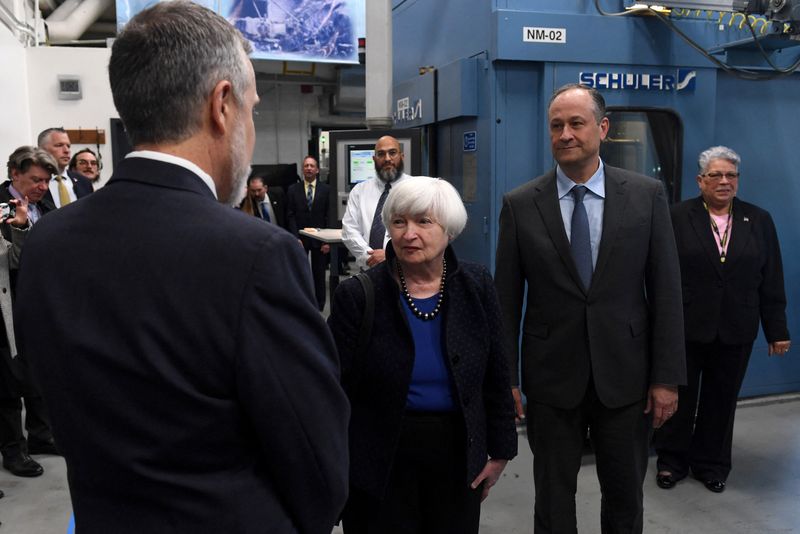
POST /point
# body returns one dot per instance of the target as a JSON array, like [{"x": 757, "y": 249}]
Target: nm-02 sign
[{"x": 544, "y": 35}]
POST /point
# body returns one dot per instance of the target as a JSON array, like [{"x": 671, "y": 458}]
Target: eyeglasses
[
  {"x": 86, "y": 162},
  {"x": 382, "y": 154},
  {"x": 717, "y": 176}
]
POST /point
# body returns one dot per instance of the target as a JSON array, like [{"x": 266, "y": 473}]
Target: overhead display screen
[{"x": 324, "y": 31}]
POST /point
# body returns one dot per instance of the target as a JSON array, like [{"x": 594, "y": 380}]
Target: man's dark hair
[
  {"x": 74, "y": 161},
  {"x": 255, "y": 177},
  {"x": 165, "y": 64},
  {"x": 597, "y": 98},
  {"x": 42, "y": 139},
  {"x": 316, "y": 161},
  {"x": 26, "y": 156}
]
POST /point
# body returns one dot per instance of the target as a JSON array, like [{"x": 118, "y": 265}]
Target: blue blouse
[{"x": 431, "y": 388}]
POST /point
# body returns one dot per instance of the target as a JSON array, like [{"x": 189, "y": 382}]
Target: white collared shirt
[
  {"x": 67, "y": 183},
  {"x": 175, "y": 160},
  {"x": 357, "y": 220}
]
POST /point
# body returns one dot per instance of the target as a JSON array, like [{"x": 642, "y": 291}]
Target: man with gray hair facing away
[{"x": 191, "y": 390}]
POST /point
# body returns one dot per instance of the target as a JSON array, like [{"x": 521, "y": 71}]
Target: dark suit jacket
[
  {"x": 189, "y": 390},
  {"x": 377, "y": 383},
  {"x": 627, "y": 330},
  {"x": 298, "y": 216},
  {"x": 726, "y": 300},
  {"x": 80, "y": 183},
  {"x": 278, "y": 201},
  {"x": 45, "y": 206}
]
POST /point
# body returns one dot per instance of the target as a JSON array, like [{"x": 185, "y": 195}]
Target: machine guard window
[{"x": 647, "y": 141}]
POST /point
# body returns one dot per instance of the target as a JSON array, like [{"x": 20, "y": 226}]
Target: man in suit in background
[
  {"x": 265, "y": 203},
  {"x": 192, "y": 383},
  {"x": 308, "y": 208},
  {"x": 29, "y": 172},
  {"x": 66, "y": 186},
  {"x": 602, "y": 344}
]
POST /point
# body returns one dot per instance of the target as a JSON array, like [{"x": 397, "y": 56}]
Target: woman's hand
[
  {"x": 20, "y": 220},
  {"x": 489, "y": 475},
  {"x": 779, "y": 347}
]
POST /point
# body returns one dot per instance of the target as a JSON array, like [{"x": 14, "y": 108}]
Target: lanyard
[{"x": 723, "y": 239}]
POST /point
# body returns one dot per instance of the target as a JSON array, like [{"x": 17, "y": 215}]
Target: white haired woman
[
  {"x": 432, "y": 422},
  {"x": 732, "y": 278}
]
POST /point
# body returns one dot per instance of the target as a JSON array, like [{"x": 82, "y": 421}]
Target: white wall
[
  {"x": 31, "y": 104},
  {"x": 94, "y": 110},
  {"x": 282, "y": 124},
  {"x": 15, "y": 127}
]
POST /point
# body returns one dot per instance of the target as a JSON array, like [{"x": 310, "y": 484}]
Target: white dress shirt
[
  {"x": 175, "y": 160},
  {"x": 54, "y": 189},
  {"x": 357, "y": 220}
]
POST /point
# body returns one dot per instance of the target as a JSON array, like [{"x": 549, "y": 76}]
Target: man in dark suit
[
  {"x": 29, "y": 172},
  {"x": 308, "y": 208},
  {"x": 265, "y": 203},
  {"x": 193, "y": 386},
  {"x": 602, "y": 344},
  {"x": 66, "y": 186}
]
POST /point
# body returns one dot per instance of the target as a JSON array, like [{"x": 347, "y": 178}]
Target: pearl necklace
[{"x": 410, "y": 301}]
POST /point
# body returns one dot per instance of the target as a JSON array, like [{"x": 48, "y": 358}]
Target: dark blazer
[
  {"x": 298, "y": 216},
  {"x": 80, "y": 184},
  {"x": 626, "y": 330},
  {"x": 278, "y": 201},
  {"x": 190, "y": 388},
  {"x": 45, "y": 206},
  {"x": 378, "y": 383},
  {"x": 726, "y": 300}
]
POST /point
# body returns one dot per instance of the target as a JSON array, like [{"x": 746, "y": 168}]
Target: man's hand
[
  {"x": 779, "y": 347},
  {"x": 489, "y": 475},
  {"x": 20, "y": 220},
  {"x": 325, "y": 248},
  {"x": 375, "y": 257},
  {"x": 662, "y": 400},
  {"x": 518, "y": 403}
]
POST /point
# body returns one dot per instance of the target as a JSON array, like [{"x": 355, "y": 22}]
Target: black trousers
[
  {"x": 319, "y": 262},
  {"x": 428, "y": 491},
  {"x": 17, "y": 383},
  {"x": 619, "y": 437},
  {"x": 699, "y": 437}
]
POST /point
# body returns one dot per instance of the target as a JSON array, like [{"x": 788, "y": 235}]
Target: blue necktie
[
  {"x": 378, "y": 230},
  {"x": 309, "y": 195},
  {"x": 265, "y": 211},
  {"x": 580, "y": 242}
]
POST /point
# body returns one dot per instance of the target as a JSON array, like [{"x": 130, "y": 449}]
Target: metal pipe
[
  {"x": 11, "y": 22},
  {"x": 72, "y": 18},
  {"x": 379, "y": 64}
]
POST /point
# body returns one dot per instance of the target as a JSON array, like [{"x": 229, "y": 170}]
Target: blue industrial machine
[{"x": 476, "y": 76}]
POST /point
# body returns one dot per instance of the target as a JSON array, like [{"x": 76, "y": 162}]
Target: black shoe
[
  {"x": 2, "y": 494},
  {"x": 665, "y": 481},
  {"x": 23, "y": 465},
  {"x": 715, "y": 485},
  {"x": 43, "y": 447}
]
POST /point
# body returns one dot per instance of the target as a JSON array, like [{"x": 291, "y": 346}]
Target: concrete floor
[{"x": 763, "y": 494}]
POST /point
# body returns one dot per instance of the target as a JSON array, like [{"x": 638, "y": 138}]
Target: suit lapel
[
  {"x": 701, "y": 225},
  {"x": 741, "y": 232},
  {"x": 613, "y": 210},
  {"x": 546, "y": 200}
]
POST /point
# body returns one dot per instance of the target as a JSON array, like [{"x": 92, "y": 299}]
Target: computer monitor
[{"x": 360, "y": 165}]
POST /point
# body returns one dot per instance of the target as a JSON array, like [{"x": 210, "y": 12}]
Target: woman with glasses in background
[{"x": 732, "y": 276}]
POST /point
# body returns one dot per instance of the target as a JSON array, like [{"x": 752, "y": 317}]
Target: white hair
[
  {"x": 717, "y": 152},
  {"x": 419, "y": 195}
]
